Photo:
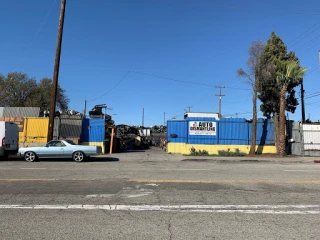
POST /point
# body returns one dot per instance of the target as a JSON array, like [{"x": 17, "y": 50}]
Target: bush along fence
[{"x": 213, "y": 136}]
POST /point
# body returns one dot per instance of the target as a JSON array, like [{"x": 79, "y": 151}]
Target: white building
[{"x": 202, "y": 115}]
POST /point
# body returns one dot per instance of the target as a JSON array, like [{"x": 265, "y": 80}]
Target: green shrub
[
  {"x": 228, "y": 153},
  {"x": 194, "y": 152}
]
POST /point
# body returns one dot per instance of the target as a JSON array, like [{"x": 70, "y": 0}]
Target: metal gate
[
  {"x": 311, "y": 139},
  {"x": 295, "y": 138}
]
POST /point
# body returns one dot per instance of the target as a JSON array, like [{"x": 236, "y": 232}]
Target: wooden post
[
  {"x": 54, "y": 88},
  {"x": 111, "y": 142}
]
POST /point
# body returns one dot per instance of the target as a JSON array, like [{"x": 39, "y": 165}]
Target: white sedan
[{"x": 59, "y": 149}]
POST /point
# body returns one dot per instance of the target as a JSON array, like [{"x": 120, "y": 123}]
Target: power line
[
  {"x": 153, "y": 120},
  {"x": 312, "y": 96},
  {"x": 313, "y": 39},
  {"x": 290, "y": 11},
  {"x": 183, "y": 81},
  {"x": 239, "y": 101},
  {"x": 100, "y": 68},
  {"x": 301, "y": 35},
  {"x": 309, "y": 72},
  {"x": 172, "y": 79},
  {"x": 245, "y": 89},
  {"x": 196, "y": 103},
  {"x": 112, "y": 87},
  {"x": 312, "y": 103},
  {"x": 159, "y": 77},
  {"x": 43, "y": 23}
]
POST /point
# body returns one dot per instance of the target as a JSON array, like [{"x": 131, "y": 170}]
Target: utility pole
[
  {"x": 56, "y": 72},
  {"x": 142, "y": 117},
  {"x": 105, "y": 112},
  {"x": 164, "y": 119},
  {"x": 319, "y": 57},
  {"x": 302, "y": 103},
  {"x": 189, "y": 107},
  {"x": 220, "y": 98},
  {"x": 85, "y": 109}
]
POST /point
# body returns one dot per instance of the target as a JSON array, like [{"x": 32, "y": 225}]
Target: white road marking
[
  {"x": 100, "y": 195},
  {"x": 129, "y": 195},
  {"x": 249, "y": 209},
  {"x": 32, "y": 168},
  {"x": 299, "y": 170},
  {"x": 187, "y": 169},
  {"x": 136, "y": 195},
  {"x": 152, "y": 184}
]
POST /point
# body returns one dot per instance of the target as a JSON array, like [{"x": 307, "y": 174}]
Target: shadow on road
[
  {"x": 92, "y": 159},
  {"x": 133, "y": 151},
  {"x": 103, "y": 159}
]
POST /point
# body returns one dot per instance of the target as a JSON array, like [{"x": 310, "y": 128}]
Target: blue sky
[{"x": 128, "y": 53}]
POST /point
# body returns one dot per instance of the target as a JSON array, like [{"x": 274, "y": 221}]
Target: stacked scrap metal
[{"x": 128, "y": 136}]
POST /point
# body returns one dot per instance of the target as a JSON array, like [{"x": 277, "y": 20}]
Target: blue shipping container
[
  {"x": 233, "y": 131},
  {"x": 177, "y": 131},
  {"x": 93, "y": 130},
  {"x": 265, "y": 132},
  {"x": 228, "y": 131}
]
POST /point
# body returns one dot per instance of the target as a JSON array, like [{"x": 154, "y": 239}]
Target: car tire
[
  {"x": 30, "y": 157},
  {"x": 78, "y": 156}
]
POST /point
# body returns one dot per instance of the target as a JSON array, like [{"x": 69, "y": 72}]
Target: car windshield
[{"x": 70, "y": 142}]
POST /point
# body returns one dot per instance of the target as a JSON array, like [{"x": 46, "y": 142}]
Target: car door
[{"x": 53, "y": 149}]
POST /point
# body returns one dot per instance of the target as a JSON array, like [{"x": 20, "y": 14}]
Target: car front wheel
[
  {"x": 30, "y": 156},
  {"x": 78, "y": 156}
]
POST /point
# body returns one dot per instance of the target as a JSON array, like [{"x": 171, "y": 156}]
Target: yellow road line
[
  {"x": 169, "y": 180},
  {"x": 40, "y": 179},
  {"x": 224, "y": 181}
]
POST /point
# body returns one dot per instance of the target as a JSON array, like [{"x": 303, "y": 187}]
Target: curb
[{"x": 250, "y": 160}]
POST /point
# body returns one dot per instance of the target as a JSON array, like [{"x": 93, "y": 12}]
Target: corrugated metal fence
[
  {"x": 19, "y": 111},
  {"x": 311, "y": 137},
  {"x": 226, "y": 131},
  {"x": 35, "y": 130},
  {"x": 67, "y": 127},
  {"x": 304, "y": 138}
]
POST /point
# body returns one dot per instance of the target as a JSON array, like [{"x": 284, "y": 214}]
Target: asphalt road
[{"x": 146, "y": 196}]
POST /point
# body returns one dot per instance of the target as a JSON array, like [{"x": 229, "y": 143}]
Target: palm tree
[{"x": 288, "y": 72}]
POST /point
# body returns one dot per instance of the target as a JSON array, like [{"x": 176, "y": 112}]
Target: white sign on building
[{"x": 202, "y": 128}]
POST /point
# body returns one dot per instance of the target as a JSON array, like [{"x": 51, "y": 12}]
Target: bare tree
[{"x": 251, "y": 77}]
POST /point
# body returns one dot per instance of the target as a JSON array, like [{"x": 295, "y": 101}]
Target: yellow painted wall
[
  {"x": 184, "y": 148},
  {"x": 35, "y": 130},
  {"x": 94, "y": 144}
]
